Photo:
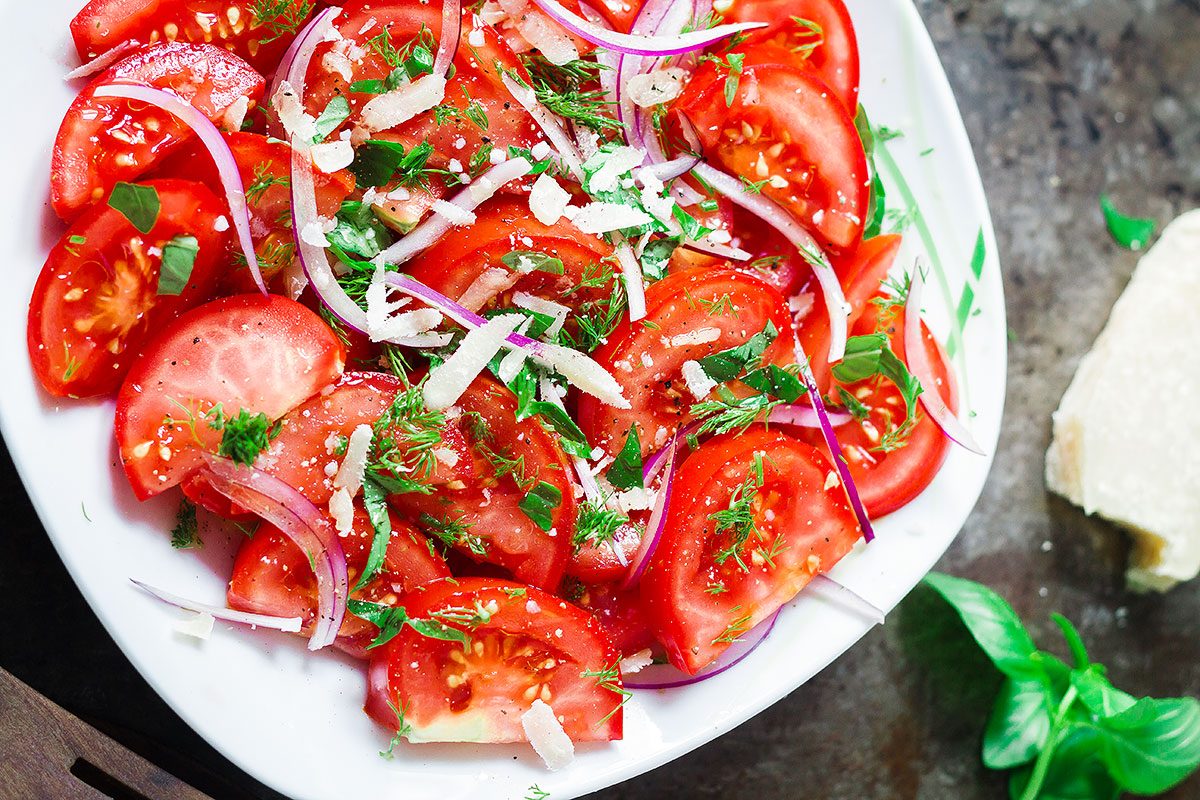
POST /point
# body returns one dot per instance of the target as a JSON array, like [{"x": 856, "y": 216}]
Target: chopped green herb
[
  {"x": 735, "y": 629},
  {"x": 626, "y": 470},
  {"x": 811, "y": 36},
  {"x": 597, "y": 524},
  {"x": 871, "y": 356},
  {"x": 1132, "y": 233},
  {"x": 402, "y": 455},
  {"x": 562, "y": 90},
  {"x": 377, "y": 162},
  {"x": 777, "y": 382},
  {"x": 609, "y": 679},
  {"x": 178, "y": 259},
  {"x": 737, "y": 518},
  {"x": 528, "y": 261},
  {"x": 186, "y": 533},
  {"x": 264, "y": 180},
  {"x": 358, "y": 230},
  {"x": 539, "y": 504},
  {"x": 336, "y": 112},
  {"x": 454, "y": 532},
  {"x": 279, "y": 17},
  {"x": 138, "y": 204},
  {"x": 727, "y": 413},
  {"x": 375, "y": 501},
  {"x": 535, "y": 793},
  {"x": 243, "y": 436},
  {"x": 391, "y": 620},
  {"x": 729, "y": 364},
  {"x": 415, "y": 57}
]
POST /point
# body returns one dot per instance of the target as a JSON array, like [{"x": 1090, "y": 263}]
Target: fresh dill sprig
[
  {"x": 565, "y": 91},
  {"x": 186, "y": 533},
  {"x": 263, "y": 180},
  {"x": 597, "y": 524},
  {"x": 609, "y": 679},
  {"x": 280, "y": 17}
]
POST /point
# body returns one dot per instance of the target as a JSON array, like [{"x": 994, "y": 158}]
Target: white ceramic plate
[{"x": 294, "y": 721}]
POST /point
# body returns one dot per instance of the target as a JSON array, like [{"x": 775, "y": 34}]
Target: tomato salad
[{"x": 529, "y": 342}]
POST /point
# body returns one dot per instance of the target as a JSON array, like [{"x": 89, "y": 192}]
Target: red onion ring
[
  {"x": 922, "y": 370},
  {"x": 640, "y": 45},
  {"x": 655, "y": 525},
  {"x": 665, "y": 676},
  {"x": 827, "y": 588},
  {"x": 305, "y": 45},
  {"x": 779, "y": 219},
  {"x": 448, "y": 45},
  {"x": 285, "y": 624},
  {"x": 669, "y": 170},
  {"x": 303, "y": 524},
  {"x": 104, "y": 60},
  {"x": 218, "y": 148},
  {"x": 566, "y": 147},
  {"x": 378, "y": 697}
]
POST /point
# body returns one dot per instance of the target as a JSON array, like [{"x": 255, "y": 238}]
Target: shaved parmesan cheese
[
  {"x": 698, "y": 336},
  {"x": 652, "y": 88},
  {"x": 608, "y": 217},
  {"x": 341, "y": 509},
  {"x": 548, "y": 200},
  {"x": 586, "y": 374},
  {"x": 398, "y": 106},
  {"x": 542, "y": 306},
  {"x": 292, "y": 115},
  {"x": 350, "y": 473},
  {"x": 636, "y": 662},
  {"x": 698, "y": 381},
  {"x": 199, "y": 626},
  {"x": 801, "y": 304},
  {"x": 635, "y": 499},
  {"x": 535, "y": 28},
  {"x": 652, "y": 198},
  {"x": 453, "y": 214},
  {"x": 547, "y": 736},
  {"x": 1133, "y": 468},
  {"x": 314, "y": 234},
  {"x": 235, "y": 115},
  {"x": 329, "y": 157},
  {"x": 616, "y": 164},
  {"x": 491, "y": 282},
  {"x": 447, "y": 382},
  {"x": 491, "y": 13}
]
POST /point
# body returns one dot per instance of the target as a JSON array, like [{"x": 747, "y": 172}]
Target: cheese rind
[{"x": 1123, "y": 444}]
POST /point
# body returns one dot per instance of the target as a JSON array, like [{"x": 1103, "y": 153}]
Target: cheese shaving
[
  {"x": 447, "y": 382},
  {"x": 608, "y": 217},
  {"x": 547, "y": 200},
  {"x": 398, "y": 106},
  {"x": 198, "y": 626},
  {"x": 698, "y": 381},
  {"x": 547, "y": 736}
]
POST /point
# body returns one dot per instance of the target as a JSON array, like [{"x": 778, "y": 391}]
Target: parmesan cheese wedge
[{"x": 1122, "y": 435}]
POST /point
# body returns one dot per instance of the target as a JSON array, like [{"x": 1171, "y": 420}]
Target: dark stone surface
[{"x": 1063, "y": 100}]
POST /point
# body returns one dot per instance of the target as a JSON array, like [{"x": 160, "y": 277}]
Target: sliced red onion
[
  {"x": 719, "y": 250},
  {"x": 663, "y": 19},
  {"x": 640, "y": 45},
  {"x": 631, "y": 276},
  {"x": 378, "y": 695},
  {"x": 218, "y": 148},
  {"x": 295, "y": 70},
  {"x": 436, "y": 225},
  {"x": 826, "y": 587},
  {"x": 451, "y": 33},
  {"x": 285, "y": 624},
  {"x": 803, "y": 416},
  {"x": 655, "y": 525},
  {"x": 104, "y": 60},
  {"x": 303, "y": 524},
  {"x": 665, "y": 676},
  {"x": 779, "y": 219},
  {"x": 550, "y": 124},
  {"x": 669, "y": 170},
  {"x": 922, "y": 370},
  {"x": 835, "y": 449}
]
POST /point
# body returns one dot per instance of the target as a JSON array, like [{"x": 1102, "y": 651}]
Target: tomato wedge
[
  {"x": 890, "y": 480},
  {"x": 455, "y": 264},
  {"x": 750, "y": 522},
  {"x": 272, "y": 576},
  {"x": 105, "y": 140},
  {"x": 620, "y": 614},
  {"x": 265, "y": 167},
  {"x": 96, "y": 301},
  {"x": 832, "y": 53},
  {"x": 524, "y": 645},
  {"x": 483, "y": 516},
  {"x": 689, "y": 315},
  {"x": 235, "y": 25},
  {"x": 263, "y": 354},
  {"x": 784, "y": 127}
]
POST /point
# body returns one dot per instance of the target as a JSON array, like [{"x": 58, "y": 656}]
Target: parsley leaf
[
  {"x": 539, "y": 503},
  {"x": 138, "y": 204},
  {"x": 1132, "y": 233},
  {"x": 178, "y": 259}
]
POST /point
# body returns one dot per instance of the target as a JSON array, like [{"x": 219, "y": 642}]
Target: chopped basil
[
  {"x": 77, "y": 239},
  {"x": 656, "y": 257},
  {"x": 540, "y": 502},
  {"x": 729, "y": 364},
  {"x": 375, "y": 500},
  {"x": 358, "y": 230},
  {"x": 626, "y": 470},
  {"x": 869, "y": 356},
  {"x": 394, "y": 79},
  {"x": 528, "y": 261},
  {"x": 876, "y": 206},
  {"x": 178, "y": 259},
  {"x": 335, "y": 113},
  {"x": 377, "y": 161},
  {"x": 1130, "y": 232},
  {"x": 777, "y": 382},
  {"x": 390, "y": 620},
  {"x": 186, "y": 533},
  {"x": 138, "y": 204}
]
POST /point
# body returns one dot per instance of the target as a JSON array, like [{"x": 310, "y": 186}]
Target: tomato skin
[
  {"x": 105, "y": 140},
  {"x": 813, "y": 527},
  {"x": 835, "y": 60},
  {"x": 104, "y": 24},
  {"x": 620, "y": 614},
  {"x": 96, "y": 302},
  {"x": 593, "y": 563},
  {"x": 889, "y": 481},
  {"x": 265, "y": 162},
  {"x": 680, "y": 304},
  {"x": 489, "y": 503},
  {"x": 503, "y": 225},
  {"x": 520, "y": 654},
  {"x": 264, "y": 354},
  {"x": 272, "y": 576},
  {"x": 784, "y": 108}
]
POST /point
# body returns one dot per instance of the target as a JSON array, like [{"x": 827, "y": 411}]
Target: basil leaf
[
  {"x": 375, "y": 500},
  {"x": 389, "y": 620},
  {"x": 1152, "y": 745},
  {"x": 991, "y": 621},
  {"x": 1074, "y": 640},
  {"x": 1075, "y": 772},
  {"x": 777, "y": 382},
  {"x": 358, "y": 230},
  {"x": 1019, "y": 724},
  {"x": 1130, "y": 232},
  {"x": 1097, "y": 694},
  {"x": 692, "y": 229},
  {"x": 178, "y": 259},
  {"x": 437, "y": 630},
  {"x": 336, "y": 112},
  {"x": 540, "y": 502},
  {"x": 376, "y": 161},
  {"x": 527, "y": 261},
  {"x": 656, "y": 257},
  {"x": 627, "y": 471},
  {"x": 728, "y": 364},
  {"x": 876, "y": 205},
  {"x": 138, "y": 204},
  {"x": 571, "y": 438}
]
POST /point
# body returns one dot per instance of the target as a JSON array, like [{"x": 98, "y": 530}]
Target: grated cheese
[
  {"x": 199, "y": 626},
  {"x": 547, "y": 736},
  {"x": 398, "y": 106},
  {"x": 698, "y": 381},
  {"x": 453, "y": 214},
  {"x": 547, "y": 200},
  {"x": 329, "y": 157},
  {"x": 354, "y": 464},
  {"x": 636, "y": 662},
  {"x": 608, "y": 217}
]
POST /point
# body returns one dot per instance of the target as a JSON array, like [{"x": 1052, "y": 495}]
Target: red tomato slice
[
  {"x": 371, "y": 29},
  {"x": 265, "y": 167},
  {"x": 620, "y": 613},
  {"x": 620, "y": 14},
  {"x": 263, "y": 354},
  {"x": 697, "y": 312},
  {"x": 705, "y": 586},
  {"x": 231, "y": 24},
  {"x": 509, "y": 458},
  {"x": 504, "y": 225},
  {"x": 528, "y": 645},
  {"x": 888, "y": 481},
  {"x": 785, "y": 125},
  {"x": 784, "y": 41},
  {"x": 96, "y": 301},
  {"x": 272, "y": 576},
  {"x": 105, "y": 140},
  {"x": 596, "y": 563}
]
